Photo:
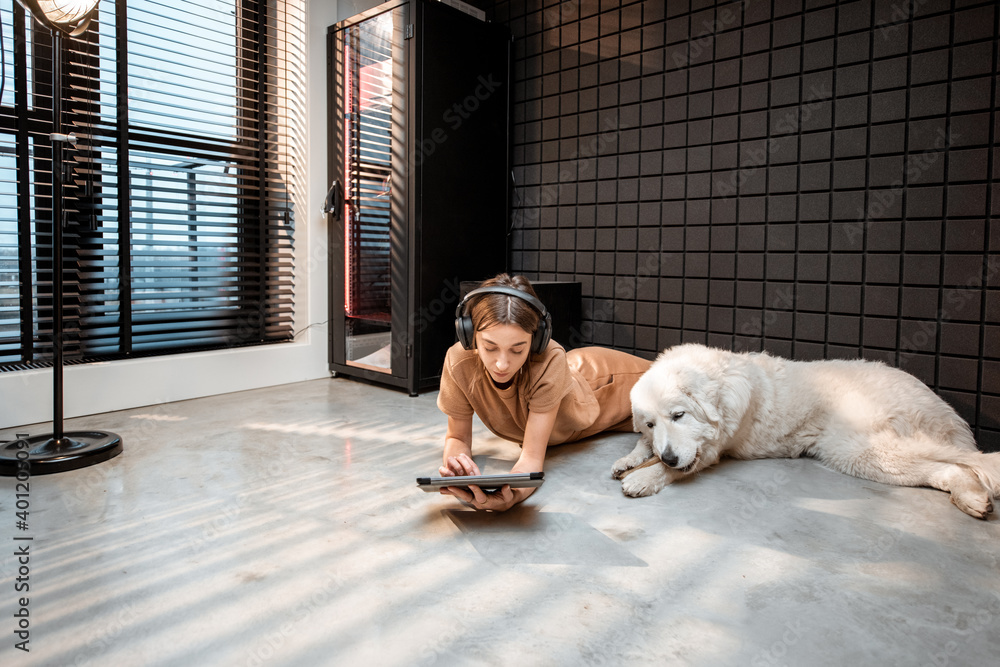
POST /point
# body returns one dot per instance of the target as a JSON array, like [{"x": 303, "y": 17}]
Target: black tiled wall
[{"x": 815, "y": 179}]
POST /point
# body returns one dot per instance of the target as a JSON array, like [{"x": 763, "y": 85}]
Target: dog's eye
[
  {"x": 676, "y": 415},
  {"x": 649, "y": 424}
]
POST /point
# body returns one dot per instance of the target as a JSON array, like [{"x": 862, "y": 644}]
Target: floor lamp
[{"x": 58, "y": 451}]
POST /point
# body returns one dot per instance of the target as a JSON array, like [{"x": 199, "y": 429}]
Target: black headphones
[{"x": 466, "y": 332}]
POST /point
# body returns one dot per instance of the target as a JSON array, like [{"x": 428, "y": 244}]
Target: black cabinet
[{"x": 419, "y": 127}]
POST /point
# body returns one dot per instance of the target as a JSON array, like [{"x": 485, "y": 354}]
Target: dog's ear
[
  {"x": 634, "y": 394},
  {"x": 707, "y": 401},
  {"x": 703, "y": 390},
  {"x": 734, "y": 396}
]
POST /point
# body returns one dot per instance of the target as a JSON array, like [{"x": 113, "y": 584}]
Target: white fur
[{"x": 697, "y": 404}]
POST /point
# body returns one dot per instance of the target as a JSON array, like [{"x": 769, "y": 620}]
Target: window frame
[{"x": 264, "y": 225}]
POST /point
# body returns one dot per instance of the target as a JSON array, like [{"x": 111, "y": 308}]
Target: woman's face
[{"x": 503, "y": 349}]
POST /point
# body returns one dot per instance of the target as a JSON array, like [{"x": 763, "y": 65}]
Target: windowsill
[{"x": 108, "y": 386}]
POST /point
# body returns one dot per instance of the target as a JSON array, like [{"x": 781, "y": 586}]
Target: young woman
[{"x": 523, "y": 386}]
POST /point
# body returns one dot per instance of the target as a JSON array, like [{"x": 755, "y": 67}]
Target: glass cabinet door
[{"x": 368, "y": 96}]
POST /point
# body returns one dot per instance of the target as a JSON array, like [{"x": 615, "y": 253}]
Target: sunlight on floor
[{"x": 284, "y": 527}]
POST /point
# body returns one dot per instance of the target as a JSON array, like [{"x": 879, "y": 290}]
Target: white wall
[
  {"x": 348, "y": 8},
  {"x": 26, "y": 396}
]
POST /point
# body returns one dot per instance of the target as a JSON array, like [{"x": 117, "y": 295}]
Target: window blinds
[{"x": 179, "y": 191}]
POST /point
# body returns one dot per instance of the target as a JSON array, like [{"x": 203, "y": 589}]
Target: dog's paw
[
  {"x": 623, "y": 466},
  {"x": 975, "y": 503},
  {"x": 645, "y": 481},
  {"x": 626, "y": 465}
]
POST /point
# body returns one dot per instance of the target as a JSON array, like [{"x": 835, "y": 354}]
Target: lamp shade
[{"x": 69, "y": 16}]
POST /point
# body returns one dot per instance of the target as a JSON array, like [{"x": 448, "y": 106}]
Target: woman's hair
[{"x": 491, "y": 309}]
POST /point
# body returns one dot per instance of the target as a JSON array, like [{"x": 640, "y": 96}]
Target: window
[{"x": 179, "y": 192}]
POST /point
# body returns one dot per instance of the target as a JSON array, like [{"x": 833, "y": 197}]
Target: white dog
[{"x": 697, "y": 404}]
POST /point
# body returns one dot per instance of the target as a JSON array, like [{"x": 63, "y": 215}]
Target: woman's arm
[
  {"x": 536, "y": 442},
  {"x": 458, "y": 439},
  {"x": 457, "y": 452},
  {"x": 532, "y": 459}
]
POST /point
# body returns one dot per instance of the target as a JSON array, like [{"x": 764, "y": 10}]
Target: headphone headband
[
  {"x": 465, "y": 331},
  {"x": 500, "y": 289}
]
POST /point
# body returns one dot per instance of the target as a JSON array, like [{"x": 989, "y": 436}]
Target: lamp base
[{"x": 45, "y": 454}]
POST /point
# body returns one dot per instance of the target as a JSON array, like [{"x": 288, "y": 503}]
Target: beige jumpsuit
[{"x": 589, "y": 385}]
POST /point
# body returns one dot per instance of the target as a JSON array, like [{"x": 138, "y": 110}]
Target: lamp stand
[{"x": 58, "y": 451}]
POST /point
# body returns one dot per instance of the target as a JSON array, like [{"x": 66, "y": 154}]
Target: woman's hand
[
  {"x": 459, "y": 465},
  {"x": 498, "y": 501}
]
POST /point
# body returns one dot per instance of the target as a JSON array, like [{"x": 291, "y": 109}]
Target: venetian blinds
[{"x": 179, "y": 191}]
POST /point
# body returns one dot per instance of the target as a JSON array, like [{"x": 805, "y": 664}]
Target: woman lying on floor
[{"x": 523, "y": 386}]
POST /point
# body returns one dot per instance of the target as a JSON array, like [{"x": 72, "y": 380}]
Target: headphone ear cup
[
  {"x": 540, "y": 339},
  {"x": 463, "y": 330}
]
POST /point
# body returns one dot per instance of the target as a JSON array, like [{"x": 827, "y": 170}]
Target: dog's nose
[{"x": 669, "y": 458}]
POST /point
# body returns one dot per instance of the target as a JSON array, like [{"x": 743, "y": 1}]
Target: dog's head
[{"x": 689, "y": 403}]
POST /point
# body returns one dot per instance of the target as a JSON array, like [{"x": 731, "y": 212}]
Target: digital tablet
[{"x": 487, "y": 483}]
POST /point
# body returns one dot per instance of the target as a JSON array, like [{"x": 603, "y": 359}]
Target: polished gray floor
[{"x": 283, "y": 527}]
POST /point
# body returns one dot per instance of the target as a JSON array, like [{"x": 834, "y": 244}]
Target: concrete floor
[{"x": 282, "y": 526}]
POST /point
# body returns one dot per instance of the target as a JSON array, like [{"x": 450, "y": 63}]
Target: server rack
[{"x": 419, "y": 127}]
